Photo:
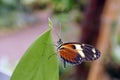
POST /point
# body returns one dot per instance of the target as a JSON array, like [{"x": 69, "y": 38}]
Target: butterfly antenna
[
  {"x": 60, "y": 30},
  {"x": 57, "y": 34}
]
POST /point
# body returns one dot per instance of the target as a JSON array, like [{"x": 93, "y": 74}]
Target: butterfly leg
[
  {"x": 64, "y": 63},
  {"x": 51, "y": 55}
]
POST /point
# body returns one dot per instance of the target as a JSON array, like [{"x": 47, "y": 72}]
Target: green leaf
[{"x": 35, "y": 63}]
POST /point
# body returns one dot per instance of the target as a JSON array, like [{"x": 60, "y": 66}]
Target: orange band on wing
[{"x": 68, "y": 54}]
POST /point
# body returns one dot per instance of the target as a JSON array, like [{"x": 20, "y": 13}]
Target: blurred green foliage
[
  {"x": 7, "y": 5},
  {"x": 118, "y": 39},
  {"x": 12, "y": 11},
  {"x": 116, "y": 49},
  {"x": 63, "y": 5},
  {"x": 115, "y": 39}
]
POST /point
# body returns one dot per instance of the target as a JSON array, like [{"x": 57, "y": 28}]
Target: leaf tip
[{"x": 50, "y": 23}]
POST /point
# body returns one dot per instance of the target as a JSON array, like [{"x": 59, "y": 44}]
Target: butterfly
[{"x": 76, "y": 53}]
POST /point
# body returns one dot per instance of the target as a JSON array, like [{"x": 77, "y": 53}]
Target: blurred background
[{"x": 94, "y": 22}]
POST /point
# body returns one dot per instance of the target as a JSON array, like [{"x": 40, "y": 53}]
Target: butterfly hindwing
[{"x": 91, "y": 53}]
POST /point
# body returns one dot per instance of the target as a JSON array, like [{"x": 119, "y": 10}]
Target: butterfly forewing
[
  {"x": 70, "y": 55},
  {"x": 76, "y": 53}
]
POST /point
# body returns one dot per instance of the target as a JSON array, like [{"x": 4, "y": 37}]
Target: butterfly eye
[{"x": 59, "y": 42}]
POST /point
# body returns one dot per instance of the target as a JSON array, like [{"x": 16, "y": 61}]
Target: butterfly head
[{"x": 59, "y": 42}]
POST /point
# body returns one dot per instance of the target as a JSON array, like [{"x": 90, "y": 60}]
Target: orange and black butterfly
[{"x": 76, "y": 53}]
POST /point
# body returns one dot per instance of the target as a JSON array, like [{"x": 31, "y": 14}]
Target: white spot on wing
[
  {"x": 93, "y": 50},
  {"x": 83, "y": 44},
  {"x": 81, "y": 53},
  {"x": 79, "y": 49},
  {"x": 95, "y": 56}
]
